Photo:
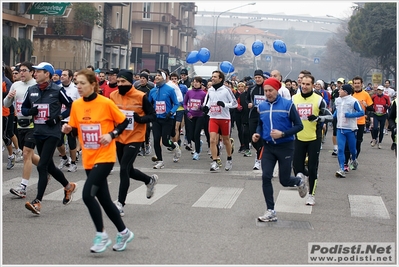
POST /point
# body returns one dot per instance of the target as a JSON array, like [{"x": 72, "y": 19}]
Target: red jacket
[{"x": 381, "y": 103}]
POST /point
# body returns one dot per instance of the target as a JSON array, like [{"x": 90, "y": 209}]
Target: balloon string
[
  {"x": 256, "y": 63},
  {"x": 290, "y": 67},
  {"x": 233, "y": 59}
]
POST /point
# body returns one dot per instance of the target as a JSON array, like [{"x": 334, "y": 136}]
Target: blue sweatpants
[{"x": 343, "y": 136}]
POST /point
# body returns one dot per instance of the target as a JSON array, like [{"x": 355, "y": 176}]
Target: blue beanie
[{"x": 58, "y": 72}]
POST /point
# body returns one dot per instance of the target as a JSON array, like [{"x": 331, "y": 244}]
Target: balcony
[
  {"x": 116, "y": 36},
  {"x": 65, "y": 29},
  {"x": 153, "y": 17}
]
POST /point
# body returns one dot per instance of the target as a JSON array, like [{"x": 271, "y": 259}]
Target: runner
[{"x": 93, "y": 119}]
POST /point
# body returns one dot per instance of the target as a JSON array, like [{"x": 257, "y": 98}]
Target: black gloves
[
  {"x": 313, "y": 118},
  {"x": 205, "y": 109},
  {"x": 33, "y": 111},
  {"x": 52, "y": 122},
  {"x": 220, "y": 103},
  {"x": 137, "y": 118},
  {"x": 168, "y": 116}
]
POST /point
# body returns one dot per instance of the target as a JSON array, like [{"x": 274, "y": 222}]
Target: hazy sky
[{"x": 340, "y": 9}]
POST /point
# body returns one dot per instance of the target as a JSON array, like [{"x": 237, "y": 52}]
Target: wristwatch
[{"x": 282, "y": 134}]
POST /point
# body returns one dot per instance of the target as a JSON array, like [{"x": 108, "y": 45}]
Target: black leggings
[
  {"x": 127, "y": 154},
  {"x": 162, "y": 128},
  {"x": 195, "y": 126},
  {"x": 46, "y": 148},
  {"x": 312, "y": 149},
  {"x": 6, "y": 138},
  {"x": 96, "y": 185}
]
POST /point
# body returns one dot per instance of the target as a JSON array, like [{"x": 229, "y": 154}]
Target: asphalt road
[{"x": 204, "y": 218}]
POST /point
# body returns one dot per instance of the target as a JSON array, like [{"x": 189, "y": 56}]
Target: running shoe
[
  {"x": 64, "y": 162},
  {"x": 257, "y": 165},
  {"x": 196, "y": 156},
  {"x": 340, "y": 174},
  {"x": 72, "y": 168},
  {"x": 151, "y": 186},
  {"x": 154, "y": 158},
  {"x": 19, "y": 191},
  {"x": 229, "y": 165},
  {"x": 122, "y": 240},
  {"x": 335, "y": 152},
  {"x": 68, "y": 193},
  {"x": 119, "y": 206},
  {"x": 10, "y": 162},
  {"x": 354, "y": 164},
  {"x": 219, "y": 162},
  {"x": 379, "y": 146},
  {"x": 214, "y": 166},
  {"x": 393, "y": 146},
  {"x": 269, "y": 216},
  {"x": 101, "y": 242},
  {"x": 147, "y": 149},
  {"x": 34, "y": 206},
  {"x": 310, "y": 201},
  {"x": 247, "y": 153},
  {"x": 302, "y": 188},
  {"x": 141, "y": 153},
  {"x": 159, "y": 165},
  {"x": 18, "y": 155},
  {"x": 346, "y": 168},
  {"x": 373, "y": 142},
  {"x": 177, "y": 151}
]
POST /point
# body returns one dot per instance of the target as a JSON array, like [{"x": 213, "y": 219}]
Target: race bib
[
  {"x": 379, "y": 109},
  {"x": 194, "y": 104},
  {"x": 44, "y": 112},
  {"x": 304, "y": 111},
  {"x": 130, "y": 118},
  {"x": 259, "y": 99},
  {"x": 160, "y": 107},
  {"x": 215, "y": 109},
  {"x": 18, "y": 105},
  {"x": 91, "y": 135}
]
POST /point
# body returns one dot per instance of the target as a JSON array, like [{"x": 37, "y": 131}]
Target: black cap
[
  {"x": 258, "y": 73},
  {"x": 184, "y": 71},
  {"x": 113, "y": 71},
  {"x": 126, "y": 74},
  {"x": 347, "y": 88},
  {"x": 144, "y": 74}
]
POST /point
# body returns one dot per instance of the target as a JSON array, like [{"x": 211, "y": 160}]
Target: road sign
[
  {"x": 316, "y": 60},
  {"x": 268, "y": 58},
  {"x": 57, "y": 9}
]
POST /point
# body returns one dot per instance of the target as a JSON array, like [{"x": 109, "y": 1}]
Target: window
[
  {"x": 22, "y": 7},
  {"x": 21, "y": 33},
  {"x": 117, "y": 20},
  {"x": 100, "y": 9},
  {"x": 146, "y": 41},
  {"x": 146, "y": 10}
]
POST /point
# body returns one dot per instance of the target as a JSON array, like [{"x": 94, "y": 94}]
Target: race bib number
[
  {"x": 160, "y": 107},
  {"x": 379, "y": 109},
  {"x": 91, "y": 135},
  {"x": 130, "y": 118},
  {"x": 304, "y": 111},
  {"x": 194, "y": 104},
  {"x": 215, "y": 109},
  {"x": 44, "y": 112},
  {"x": 18, "y": 105},
  {"x": 259, "y": 99}
]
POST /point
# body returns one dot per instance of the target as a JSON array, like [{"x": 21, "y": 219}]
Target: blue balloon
[
  {"x": 257, "y": 47},
  {"x": 226, "y": 67},
  {"x": 204, "y": 54},
  {"x": 279, "y": 46},
  {"x": 192, "y": 57},
  {"x": 239, "y": 49}
]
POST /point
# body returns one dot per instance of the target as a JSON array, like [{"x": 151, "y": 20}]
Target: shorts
[
  {"x": 27, "y": 138},
  {"x": 221, "y": 126},
  {"x": 179, "y": 115}
]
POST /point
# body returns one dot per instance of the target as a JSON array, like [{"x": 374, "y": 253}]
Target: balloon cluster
[{"x": 202, "y": 55}]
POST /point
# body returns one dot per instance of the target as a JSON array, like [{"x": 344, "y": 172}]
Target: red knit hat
[{"x": 273, "y": 82}]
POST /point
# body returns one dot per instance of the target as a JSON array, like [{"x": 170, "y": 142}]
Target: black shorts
[{"x": 26, "y": 137}]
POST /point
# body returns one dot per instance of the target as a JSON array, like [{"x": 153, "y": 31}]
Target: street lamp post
[
  {"x": 217, "y": 20},
  {"x": 245, "y": 24}
]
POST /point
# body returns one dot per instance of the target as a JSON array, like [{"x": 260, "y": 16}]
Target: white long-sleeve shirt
[{"x": 224, "y": 94}]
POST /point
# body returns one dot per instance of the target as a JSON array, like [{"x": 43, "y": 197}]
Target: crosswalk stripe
[
  {"x": 7, "y": 185},
  {"x": 58, "y": 195},
  {"x": 290, "y": 201},
  {"x": 218, "y": 197},
  {"x": 367, "y": 206},
  {"x": 138, "y": 196}
]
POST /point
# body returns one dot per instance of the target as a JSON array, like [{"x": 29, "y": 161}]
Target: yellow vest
[{"x": 305, "y": 108}]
